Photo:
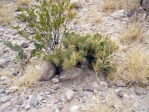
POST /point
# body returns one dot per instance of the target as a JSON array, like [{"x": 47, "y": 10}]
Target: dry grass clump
[
  {"x": 132, "y": 33},
  {"x": 23, "y": 2},
  {"x": 134, "y": 65},
  {"x": 29, "y": 78},
  {"x": 6, "y": 15},
  {"x": 113, "y": 5}
]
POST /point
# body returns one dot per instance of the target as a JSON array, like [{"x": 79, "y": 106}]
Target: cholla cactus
[{"x": 95, "y": 49}]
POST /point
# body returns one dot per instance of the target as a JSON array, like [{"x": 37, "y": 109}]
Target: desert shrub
[
  {"x": 75, "y": 49},
  {"x": 133, "y": 65},
  {"x": 46, "y": 25}
]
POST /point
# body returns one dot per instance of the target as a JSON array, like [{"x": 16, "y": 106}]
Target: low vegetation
[
  {"x": 52, "y": 42},
  {"x": 95, "y": 49},
  {"x": 113, "y": 5},
  {"x": 133, "y": 65},
  {"x": 132, "y": 33},
  {"x": 6, "y": 13}
]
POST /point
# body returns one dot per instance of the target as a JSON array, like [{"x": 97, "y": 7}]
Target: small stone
[
  {"x": 13, "y": 89},
  {"x": 120, "y": 94},
  {"x": 39, "y": 98},
  {"x": 57, "y": 110},
  {"x": 55, "y": 87},
  {"x": 24, "y": 45},
  {"x": 2, "y": 91},
  {"x": 70, "y": 94},
  {"x": 140, "y": 91},
  {"x": 27, "y": 107},
  {"x": 3, "y": 78},
  {"x": 120, "y": 83},
  {"x": 70, "y": 74},
  {"x": 55, "y": 80},
  {"x": 118, "y": 13},
  {"x": 74, "y": 108},
  {"x": 88, "y": 88}
]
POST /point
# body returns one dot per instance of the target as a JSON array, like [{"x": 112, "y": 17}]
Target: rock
[
  {"x": 70, "y": 94},
  {"x": 3, "y": 78},
  {"x": 120, "y": 83},
  {"x": 74, "y": 108},
  {"x": 88, "y": 88},
  {"x": 140, "y": 91},
  {"x": 118, "y": 13},
  {"x": 74, "y": 1},
  {"x": 47, "y": 71},
  {"x": 24, "y": 45},
  {"x": 55, "y": 80},
  {"x": 27, "y": 107},
  {"x": 15, "y": 72},
  {"x": 34, "y": 102},
  {"x": 57, "y": 110},
  {"x": 145, "y": 5},
  {"x": 2, "y": 91},
  {"x": 120, "y": 94},
  {"x": 12, "y": 89},
  {"x": 55, "y": 87},
  {"x": 70, "y": 74},
  {"x": 3, "y": 62}
]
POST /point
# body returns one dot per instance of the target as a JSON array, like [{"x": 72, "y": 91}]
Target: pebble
[
  {"x": 55, "y": 80},
  {"x": 74, "y": 108},
  {"x": 2, "y": 91},
  {"x": 70, "y": 94},
  {"x": 120, "y": 83}
]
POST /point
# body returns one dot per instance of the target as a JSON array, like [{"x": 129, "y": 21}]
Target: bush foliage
[
  {"x": 75, "y": 49},
  {"x": 47, "y": 29}
]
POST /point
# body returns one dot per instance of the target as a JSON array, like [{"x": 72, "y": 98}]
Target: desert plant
[
  {"x": 133, "y": 65},
  {"x": 6, "y": 15},
  {"x": 46, "y": 22},
  {"x": 113, "y": 5},
  {"x": 132, "y": 33},
  {"x": 76, "y": 49}
]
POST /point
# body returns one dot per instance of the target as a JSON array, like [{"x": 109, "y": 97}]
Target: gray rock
[
  {"x": 118, "y": 13},
  {"x": 27, "y": 107},
  {"x": 120, "y": 83},
  {"x": 74, "y": 108},
  {"x": 2, "y": 90},
  {"x": 70, "y": 94},
  {"x": 70, "y": 74},
  {"x": 47, "y": 71},
  {"x": 25, "y": 45},
  {"x": 55, "y": 87},
  {"x": 55, "y": 80},
  {"x": 145, "y": 5},
  {"x": 120, "y": 94},
  {"x": 88, "y": 88},
  {"x": 140, "y": 91}
]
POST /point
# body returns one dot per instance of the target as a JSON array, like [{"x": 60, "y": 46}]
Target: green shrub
[
  {"x": 76, "y": 49},
  {"x": 46, "y": 24}
]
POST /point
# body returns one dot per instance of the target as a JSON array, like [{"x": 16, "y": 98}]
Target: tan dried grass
[
  {"x": 6, "y": 13},
  {"x": 132, "y": 33},
  {"x": 113, "y": 5},
  {"x": 133, "y": 66}
]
